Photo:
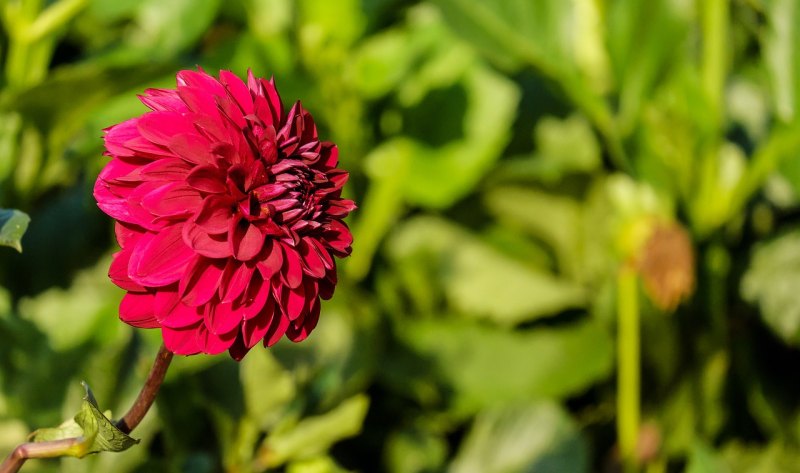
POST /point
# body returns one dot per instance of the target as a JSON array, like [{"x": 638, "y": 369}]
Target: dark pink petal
[
  {"x": 161, "y": 127},
  {"x": 294, "y": 301},
  {"x": 127, "y": 233},
  {"x": 163, "y": 100},
  {"x": 208, "y": 179},
  {"x": 277, "y": 328},
  {"x": 292, "y": 272},
  {"x": 235, "y": 280},
  {"x": 202, "y": 81},
  {"x": 117, "y": 135},
  {"x": 201, "y": 281},
  {"x": 254, "y": 330},
  {"x": 212, "y": 343},
  {"x": 166, "y": 300},
  {"x": 300, "y": 333},
  {"x": 256, "y": 298},
  {"x": 238, "y": 350},
  {"x": 245, "y": 239},
  {"x": 183, "y": 316},
  {"x": 238, "y": 90},
  {"x": 210, "y": 245},
  {"x": 221, "y": 318},
  {"x": 173, "y": 199},
  {"x": 168, "y": 170},
  {"x": 160, "y": 259},
  {"x": 323, "y": 253},
  {"x": 118, "y": 272},
  {"x": 339, "y": 238},
  {"x": 181, "y": 341},
  {"x": 312, "y": 261},
  {"x": 136, "y": 309},
  {"x": 199, "y": 101},
  {"x": 192, "y": 147},
  {"x": 215, "y": 214}
]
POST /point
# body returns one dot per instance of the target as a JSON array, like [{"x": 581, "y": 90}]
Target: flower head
[{"x": 228, "y": 214}]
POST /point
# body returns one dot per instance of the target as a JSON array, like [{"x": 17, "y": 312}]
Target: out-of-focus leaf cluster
[{"x": 508, "y": 157}]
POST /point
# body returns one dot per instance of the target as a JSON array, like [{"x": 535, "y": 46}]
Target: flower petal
[
  {"x": 201, "y": 281},
  {"x": 181, "y": 341},
  {"x": 160, "y": 259},
  {"x": 198, "y": 239},
  {"x": 136, "y": 308}
]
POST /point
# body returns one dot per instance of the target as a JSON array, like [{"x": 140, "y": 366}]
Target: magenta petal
[
  {"x": 221, "y": 318},
  {"x": 201, "y": 281},
  {"x": 166, "y": 300},
  {"x": 256, "y": 299},
  {"x": 215, "y": 214},
  {"x": 207, "y": 179},
  {"x": 137, "y": 309},
  {"x": 292, "y": 267},
  {"x": 160, "y": 259},
  {"x": 272, "y": 263},
  {"x": 171, "y": 200},
  {"x": 212, "y": 343},
  {"x": 312, "y": 261},
  {"x": 161, "y": 127},
  {"x": 235, "y": 280},
  {"x": 163, "y": 100},
  {"x": 183, "y": 316},
  {"x": 118, "y": 272},
  {"x": 127, "y": 233},
  {"x": 253, "y": 330},
  {"x": 295, "y": 301},
  {"x": 298, "y": 334},
  {"x": 181, "y": 341},
  {"x": 277, "y": 328},
  {"x": 199, "y": 240},
  {"x": 192, "y": 147},
  {"x": 238, "y": 91},
  {"x": 245, "y": 239}
]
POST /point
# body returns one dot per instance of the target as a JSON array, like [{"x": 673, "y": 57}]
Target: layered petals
[{"x": 229, "y": 213}]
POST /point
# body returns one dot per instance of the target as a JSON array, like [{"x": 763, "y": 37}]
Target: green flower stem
[
  {"x": 628, "y": 382},
  {"x": 127, "y": 423}
]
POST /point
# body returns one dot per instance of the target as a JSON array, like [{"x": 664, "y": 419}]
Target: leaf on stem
[
  {"x": 95, "y": 432},
  {"x": 13, "y": 224}
]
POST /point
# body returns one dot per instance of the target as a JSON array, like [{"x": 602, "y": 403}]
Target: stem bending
[{"x": 126, "y": 424}]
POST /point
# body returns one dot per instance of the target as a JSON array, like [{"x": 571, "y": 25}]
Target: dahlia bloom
[{"x": 228, "y": 213}]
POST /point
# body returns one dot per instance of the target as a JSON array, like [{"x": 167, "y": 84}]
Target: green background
[{"x": 507, "y": 156}]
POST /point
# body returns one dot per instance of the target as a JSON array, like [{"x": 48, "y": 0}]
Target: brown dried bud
[{"x": 667, "y": 265}]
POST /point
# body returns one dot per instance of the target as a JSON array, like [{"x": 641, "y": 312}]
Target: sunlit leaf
[
  {"x": 314, "y": 435},
  {"x": 13, "y": 224},
  {"x": 771, "y": 281},
  {"x": 93, "y": 431},
  {"x": 471, "y": 365},
  {"x": 534, "y": 437}
]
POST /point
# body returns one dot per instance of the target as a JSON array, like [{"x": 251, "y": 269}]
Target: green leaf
[
  {"x": 13, "y": 224},
  {"x": 478, "y": 280},
  {"x": 534, "y": 437},
  {"x": 314, "y": 435},
  {"x": 516, "y": 32},
  {"x": 472, "y": 365},
  {"x": 781, "y": 56},
  {"x": 772, "y": 280},
  {"x": 92, "y": 429},
  {"x": 265, "y": 400}
]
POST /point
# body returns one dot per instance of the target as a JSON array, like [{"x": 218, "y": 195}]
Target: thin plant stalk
[
  {"x": 68, "y": 446},
  {"x": 628, "y": 367}
]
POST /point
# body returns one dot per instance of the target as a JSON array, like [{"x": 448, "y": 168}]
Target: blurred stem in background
[
  {"x": 30, "y": 37},
  {"x": 628, "y": 365}
]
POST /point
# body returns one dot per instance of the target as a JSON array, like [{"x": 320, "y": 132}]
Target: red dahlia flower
[{"x": 228, "y": 212}]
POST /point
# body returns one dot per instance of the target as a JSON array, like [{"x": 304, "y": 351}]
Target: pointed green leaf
[
  {"x": 93, "y": 431},
  {"x": 13, "y": 224}
]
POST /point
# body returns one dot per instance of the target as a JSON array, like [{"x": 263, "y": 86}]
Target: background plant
[{"x": 517, "y": 164}]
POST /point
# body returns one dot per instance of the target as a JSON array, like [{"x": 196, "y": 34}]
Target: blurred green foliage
[{"x": 508, "y": 156}]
